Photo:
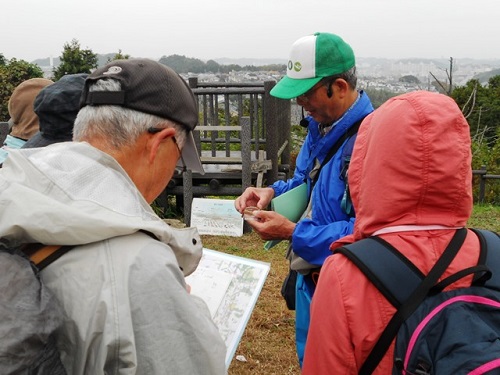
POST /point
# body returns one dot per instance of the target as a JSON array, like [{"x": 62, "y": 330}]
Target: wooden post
[
  {"x": 272, "y": 131},
  {"x": 482, "y": 184},
  {"x": 187, "y": 182},
  {"x": 246, "y": 158}
]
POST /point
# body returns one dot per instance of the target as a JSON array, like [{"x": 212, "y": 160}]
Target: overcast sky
[{"x": 32, "y": 29}]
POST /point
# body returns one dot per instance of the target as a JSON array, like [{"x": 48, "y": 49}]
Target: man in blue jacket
[{"x": 321, "y": 75}]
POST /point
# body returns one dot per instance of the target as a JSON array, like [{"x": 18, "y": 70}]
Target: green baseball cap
[{"x": 312, "y": 58}]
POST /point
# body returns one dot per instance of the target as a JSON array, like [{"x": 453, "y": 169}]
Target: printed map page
[{"x": 230, "y": 285}]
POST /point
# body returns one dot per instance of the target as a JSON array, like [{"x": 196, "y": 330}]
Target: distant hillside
[
  {"x": 484, "y": 77},
  {"x": 102, "y": 59},
  {"x": 249, "y": 61},
  {"x": 374, "y": 68}
]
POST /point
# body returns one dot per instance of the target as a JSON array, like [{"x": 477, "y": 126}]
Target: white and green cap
[{"x": 312, "y": 58}]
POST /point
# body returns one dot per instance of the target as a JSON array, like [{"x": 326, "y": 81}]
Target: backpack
[
  {"x": 29, "y": 312},
  {"x": 450, "y": 332}
]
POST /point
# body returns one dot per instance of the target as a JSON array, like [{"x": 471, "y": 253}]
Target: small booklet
[{"x": 291, "y": 205}]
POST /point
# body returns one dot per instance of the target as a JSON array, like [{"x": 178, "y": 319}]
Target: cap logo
[
  {"x": 113, "y": 70},
  {"x": 297, "y": 66}
]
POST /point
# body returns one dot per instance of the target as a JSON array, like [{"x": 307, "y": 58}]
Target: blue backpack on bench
[{"x": 450, "y": 332}]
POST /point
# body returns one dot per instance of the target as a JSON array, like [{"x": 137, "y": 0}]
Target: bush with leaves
[
  {"x": 487, "y": 155},
  {"x": 12, "y": 73},
  {"x": 75, "y": 60}
]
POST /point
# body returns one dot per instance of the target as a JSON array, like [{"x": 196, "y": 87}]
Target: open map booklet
[{"x": 230, "y": 285}]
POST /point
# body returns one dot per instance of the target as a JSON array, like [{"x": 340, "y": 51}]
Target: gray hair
[
  {"x": 349, "y": 76},
  {"x": 118, "y": 125}
]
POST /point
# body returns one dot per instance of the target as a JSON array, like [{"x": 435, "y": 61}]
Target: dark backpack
[
  {"x": 29, "y": 313},
  {"x": 451, "y": 332}
]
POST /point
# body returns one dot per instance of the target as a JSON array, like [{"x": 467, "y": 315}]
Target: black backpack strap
[
  {"x": 336, "y": 146},
  {"x": 414, "y": 296},
  {"x": 386, "y": 268},
  {"x": 43, "y": 255},
  {"x": 490, "y": 255}
]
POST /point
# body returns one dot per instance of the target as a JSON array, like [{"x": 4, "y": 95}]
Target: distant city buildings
[{"x": 373, "y": 73}]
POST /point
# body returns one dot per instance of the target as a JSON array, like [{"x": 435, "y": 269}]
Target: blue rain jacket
[{"x": 312, "y": 237}]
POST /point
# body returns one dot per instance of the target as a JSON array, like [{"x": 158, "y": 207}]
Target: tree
[
  {"x": 212, "y": 66},
  {"x": 481, "y": 106},
  {"x": 119, "y": 56},
  {"x": 379, "y": 97},
  {"x": 445, "y": 87},
  {"x": 75, "y": 60},
  {"x": 12, "y": 73},
  {"x": 409, "y": 79},
  {"x": 183, "y": 64}
]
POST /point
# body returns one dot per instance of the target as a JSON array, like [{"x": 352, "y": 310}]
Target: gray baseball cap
[{"x": 152, "y": 88}]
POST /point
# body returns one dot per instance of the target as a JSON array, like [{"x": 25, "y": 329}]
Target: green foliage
[
  {"x": 212, "y": 66},
  {"x": 75, "y": 60},
  {"x": 12, "y": 73},
  {"x": 481, "y": 106},
  {"x": 487, "y": 155},
  {"x": 485, "y": 76},
  {"x": 379, "y": 97},
  {"x": 118, "y": 56},
  {"x": 3, "y": 60},
  {"x": 183, "y": 64},
  {"x": 409, "y": 79}
]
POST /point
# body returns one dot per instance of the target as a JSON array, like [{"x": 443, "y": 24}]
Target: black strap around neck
[{"x": 333, "y": 150}]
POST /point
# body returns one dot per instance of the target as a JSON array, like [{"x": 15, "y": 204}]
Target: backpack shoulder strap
[
  {"x": 42, "y": 256},
  {"x": 490, "y": 255},
  {"x": 410, "y": 304},
  {"x": 375, "y": 257}
]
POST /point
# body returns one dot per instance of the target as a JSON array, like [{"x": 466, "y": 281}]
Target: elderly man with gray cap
[
  {"x": 126, "y": 305},
  {"x": 321, "y": 75}
]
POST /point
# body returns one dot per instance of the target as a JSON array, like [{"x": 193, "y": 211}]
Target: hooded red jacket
[{"x": 411, "y": 183}]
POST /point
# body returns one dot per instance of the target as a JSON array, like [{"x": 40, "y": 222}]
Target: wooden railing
[
  {"x": 243, "y": 138},
  {"x": 483, "y": 177}
]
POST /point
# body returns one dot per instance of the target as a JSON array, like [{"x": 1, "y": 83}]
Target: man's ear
[
  {"x": 340, "y": 87},
  {"x": 156, "y": 140}
]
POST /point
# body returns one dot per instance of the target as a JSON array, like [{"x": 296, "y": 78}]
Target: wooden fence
[
  {"x": 243, "y": 138},
  {"x": 483, "y": 179}
]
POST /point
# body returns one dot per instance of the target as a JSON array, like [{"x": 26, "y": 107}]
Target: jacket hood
[
  {"x": 22, "y": 115},
  {"x": 72, "y": 194},
  {"x": 411, "y": 165}
]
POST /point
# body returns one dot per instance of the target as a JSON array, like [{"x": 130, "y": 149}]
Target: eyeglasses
[{"x": 307, "y": 95}]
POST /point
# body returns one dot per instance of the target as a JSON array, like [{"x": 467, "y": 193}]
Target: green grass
[{"x": 485, "y": 217}]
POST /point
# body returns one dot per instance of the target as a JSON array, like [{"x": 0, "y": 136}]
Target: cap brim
[
  {"x": 289, "y": 88},
  {"x": 190, "y": 158}
]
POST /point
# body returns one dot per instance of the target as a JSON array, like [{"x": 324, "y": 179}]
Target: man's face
[{"x": 319, "y": 106}]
